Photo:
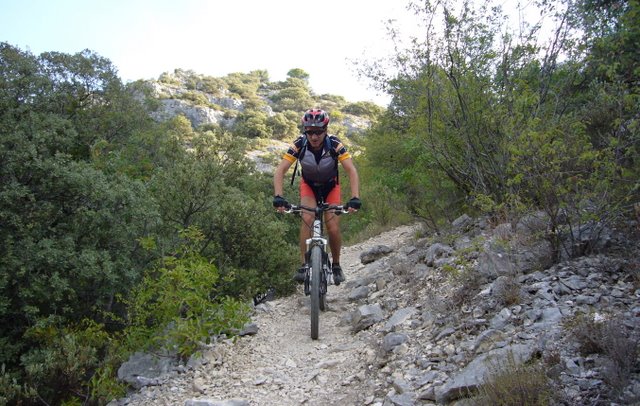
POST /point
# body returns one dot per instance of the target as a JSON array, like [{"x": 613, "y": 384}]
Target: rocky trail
[
  {"x": 280, "y": 364},
  {"x": 426, "y": 320}
]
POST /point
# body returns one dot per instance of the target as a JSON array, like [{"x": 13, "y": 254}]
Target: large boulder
[{"x": 143, "y": 369}]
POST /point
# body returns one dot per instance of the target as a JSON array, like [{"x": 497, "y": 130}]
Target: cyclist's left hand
[{"x": 354, "y": 204}]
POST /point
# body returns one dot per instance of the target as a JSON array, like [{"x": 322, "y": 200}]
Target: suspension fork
[{"x": 316, "y": 237}]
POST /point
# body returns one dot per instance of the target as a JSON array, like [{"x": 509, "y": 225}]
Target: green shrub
[
  {"x": 62, "y": 359},
  {"x": 105, "y": 386},
  {"x": 281, "y": 127},
  {"x": 178, "y": 305},
  {"x": 252, "y": 124},
  {"x": 11, "y": 389},
  {"x": 169, "y": 79},
  {"x": 198, "y": 98},
  {"x": 364, "y": 109},
  {"x": 211, "y": 85}
]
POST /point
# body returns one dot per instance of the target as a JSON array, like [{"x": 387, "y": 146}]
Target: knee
[
  {"x": 333, "y": 229},
  {"x": 307, "y": 220}
]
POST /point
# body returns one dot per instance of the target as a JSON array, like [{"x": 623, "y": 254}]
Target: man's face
[{"x": 315, "y": 136}]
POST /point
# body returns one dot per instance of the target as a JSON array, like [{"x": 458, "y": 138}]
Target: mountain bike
[{"x": 318, "y": 273}]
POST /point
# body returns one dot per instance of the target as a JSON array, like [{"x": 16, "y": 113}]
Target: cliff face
[{"x": 176, "y": 99}]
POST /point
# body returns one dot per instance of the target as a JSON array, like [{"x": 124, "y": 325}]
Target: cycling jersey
[{"x": 318, "y": 166}]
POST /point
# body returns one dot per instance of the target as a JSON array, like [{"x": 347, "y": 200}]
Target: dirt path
[{"x": 281, "y": 364}]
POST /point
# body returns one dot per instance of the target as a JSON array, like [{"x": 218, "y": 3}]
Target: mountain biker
[{"x": 321, "y": 153}]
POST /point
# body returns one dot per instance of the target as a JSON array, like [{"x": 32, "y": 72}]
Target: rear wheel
[{"x": 316, "y": 270}]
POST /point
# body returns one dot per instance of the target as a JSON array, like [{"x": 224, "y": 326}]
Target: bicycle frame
[
  {"x": 318, "y": 273},
  {"x": 317, "y": 240}
]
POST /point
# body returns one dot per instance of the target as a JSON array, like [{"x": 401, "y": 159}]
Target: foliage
[
  {"x": 58, "y": 367},
  {"x": 552, "y": 166},
  {"x": 482, "y": 118},
  {"x": 211, "y": 85},
  {"x": 169, "y": 79},
  {"x": 87, "y": 181},
  {"x": 246, "y": 85},
  {"x": 376, "y": 215},
  {"x": 197, "y": 98},
  {"x": 155, "y": 147},
  {"x": 178, "y": 304},
  {"x": 283, "y": 125},
  {"x": 298, "y": 73},
  {"x": 215, "y": 189},
  {"x": 68, "y": 229},
  {"x": 252, "y": 124},
  {"x": 293, "y": 94},
  {"x": 507, "y": 291},
  {"x": 406, "y": 171},
  {"x": 363, "y": 109}
]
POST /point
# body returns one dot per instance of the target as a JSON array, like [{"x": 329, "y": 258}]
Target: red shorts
[{"x": 307, "y": 191}]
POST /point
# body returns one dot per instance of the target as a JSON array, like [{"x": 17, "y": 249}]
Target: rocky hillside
[
  {"x": 471, "y": 317},
  {"x": 266, "y": 114},
  {"x": 208, "y": 101}
]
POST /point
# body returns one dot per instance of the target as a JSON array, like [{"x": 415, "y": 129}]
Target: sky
[{"x": 144, "y": 38}]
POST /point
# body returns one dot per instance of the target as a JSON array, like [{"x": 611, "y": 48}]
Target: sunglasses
[{"x": 314, "y": 132}]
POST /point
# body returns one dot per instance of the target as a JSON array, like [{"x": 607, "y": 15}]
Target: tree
[
  {"x": 513, "y": 124},
  {"x": 298, "y": 73},
  {"x": 252, "y": 124},
  {"x": 294, "y": 94},
  {"x": 281, "y": 127},
  {"x": 215, "y": 189},
  {"x": 69, "y": 231},
  {"x": 364, "y": 109}
]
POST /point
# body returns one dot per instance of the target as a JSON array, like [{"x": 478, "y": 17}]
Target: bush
[
  {"x": 281, "y": 126},
  {"x": 364, "y": 109},
  {"x": 62, "y": 360},
  {"x": 516, "y": 385},
  {"x": 466, "y": 282},
  {"x": 10, "y": 388},
  {"x": 607, "y": 335},
  {"x": 507, "y": 290},
  {"x": 198, "y": 98},
  {"x": 178, "y": 305},
  {"x": 252, "y": 124}
]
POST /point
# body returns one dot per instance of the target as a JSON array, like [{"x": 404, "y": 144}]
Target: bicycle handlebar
[{"x": 337, "y": 209}]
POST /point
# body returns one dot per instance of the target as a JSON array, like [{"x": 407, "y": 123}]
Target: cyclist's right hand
[{"x": 280, "y": 203}]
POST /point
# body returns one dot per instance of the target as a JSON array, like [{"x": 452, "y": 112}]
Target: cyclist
[{"x": 318, "y": 153}]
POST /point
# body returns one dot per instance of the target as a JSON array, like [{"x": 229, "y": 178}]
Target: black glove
[
  {"x": 354, "y": 203},
  {"x": 279, "y": 201}
]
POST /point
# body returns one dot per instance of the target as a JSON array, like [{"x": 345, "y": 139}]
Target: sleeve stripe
[{"x": 344, "y": 156}]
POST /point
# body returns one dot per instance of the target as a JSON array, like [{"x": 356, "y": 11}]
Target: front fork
[{"x": 325, "y": 273}]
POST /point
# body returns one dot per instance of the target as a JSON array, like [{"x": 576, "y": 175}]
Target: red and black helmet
[{"x": 315, "y": 118}]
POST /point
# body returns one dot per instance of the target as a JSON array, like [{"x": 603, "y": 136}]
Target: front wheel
[
  {"x": 316, "y": 270},
  {"x": 324, "y": 282}
]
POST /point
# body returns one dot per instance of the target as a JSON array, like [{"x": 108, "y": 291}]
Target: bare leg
[
  {"x": 332, "y": 224},
  {"x": 305, "y": 225}
]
